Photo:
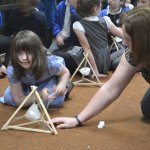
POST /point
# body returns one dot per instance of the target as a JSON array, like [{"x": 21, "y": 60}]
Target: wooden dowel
[
  {"x": 29, "y": 129},
  {"x": 27, "y": 123},
  {"x": 21, "y": 105},
  {"x": 45, "y": 111},
  {"x": 78, "y": 68}
]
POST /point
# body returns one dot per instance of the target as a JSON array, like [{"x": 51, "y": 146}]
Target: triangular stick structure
[
  {"x": 85, "y": 81},
  {"x": 116, "y": 44},
  {"x": 50, "y": 128}
]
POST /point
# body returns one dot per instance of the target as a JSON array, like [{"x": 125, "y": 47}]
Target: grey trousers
[{"x": 115, "y": 59}]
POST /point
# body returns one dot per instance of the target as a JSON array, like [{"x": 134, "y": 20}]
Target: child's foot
[{"x": 69, "y": 87}]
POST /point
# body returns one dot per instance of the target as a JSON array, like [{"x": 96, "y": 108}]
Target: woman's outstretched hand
[{"x": 64, "y": 122}]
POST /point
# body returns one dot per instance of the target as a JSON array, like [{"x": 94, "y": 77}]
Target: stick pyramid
[
  {"x": 85, "y": 81},
  {"x": 50, "y": 128}
]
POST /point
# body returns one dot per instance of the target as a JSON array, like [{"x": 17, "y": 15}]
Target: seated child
[
  {"x": 92, "y": 34},
  {"x": 30, "y": 65},
  {"x": 64, "y": 17}
]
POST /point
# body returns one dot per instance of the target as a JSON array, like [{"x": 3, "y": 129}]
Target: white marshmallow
[{"x": 101, "y": 124}]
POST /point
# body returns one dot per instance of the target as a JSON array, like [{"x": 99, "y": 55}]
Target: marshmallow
[{"x": 101, "y": 124}]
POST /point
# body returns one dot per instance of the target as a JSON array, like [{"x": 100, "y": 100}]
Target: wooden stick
[
  {"x": 29, "y": 129},
  {"x": 87, "y": 84},
  {"x": 45, "y": 111},
  {"x": 27, "y": 123},
  {"x": 21, "y": 105},
  {"x": 17, "y": 118},
  {"x": 114, "y": 41},
  {"x": 92, "y": 68},
  {"x": 78, "y": 68}
]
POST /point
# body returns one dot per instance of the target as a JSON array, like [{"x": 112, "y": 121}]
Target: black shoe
[{"x": 69, "y": 87}]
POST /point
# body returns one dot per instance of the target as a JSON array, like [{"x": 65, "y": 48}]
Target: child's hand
[
  {"x": 60, "y": 89},
  {"x": 46, "y": 96},
  {"x": 3, "y": 70},
  {"x": 60, "y": 40}
]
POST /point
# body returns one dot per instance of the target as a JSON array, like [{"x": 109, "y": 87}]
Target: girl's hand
[
  {"x": 60, "y": 89},
  {"x": 65, "y": 122},
  {"x": 3, "y": 70},
  {"x": 46, "y": 96}
]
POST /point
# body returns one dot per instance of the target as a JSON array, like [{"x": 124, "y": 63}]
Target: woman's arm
[
  {"x": 110, "y": 91},
  {"x": 104, "y": 97}
]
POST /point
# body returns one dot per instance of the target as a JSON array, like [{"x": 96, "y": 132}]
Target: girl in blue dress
[{"x": 31, "y": 66}]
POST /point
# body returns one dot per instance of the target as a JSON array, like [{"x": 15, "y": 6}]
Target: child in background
[
  {"x": 63, "y": 33},
  {"x": 127, "y": 3},
  {"x": 114, "y": 10},
  {"x": 143, "y": 2},
  {"x": 31, "y": 66},
  {"x": 49, "y": 8},
  {"x": 2, "y": 67},
  {"x": 24, "y": 17},
  {"x": 92, "y": 33}
]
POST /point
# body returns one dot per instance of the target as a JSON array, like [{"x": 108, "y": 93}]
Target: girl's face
[
  {"x": 143, "y": 2},
  {"x": 127, "y": 39},
  {"x": 25, "y": 59}
]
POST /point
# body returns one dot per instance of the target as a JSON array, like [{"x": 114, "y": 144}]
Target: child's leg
[
  {"x": 145, "y": 104},
  {"x": 8, "y": 99}
]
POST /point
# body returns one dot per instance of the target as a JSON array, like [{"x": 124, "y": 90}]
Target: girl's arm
[
  {"x": 18, "y": 94},
  {"x": 63, "y": 77},
  {"x": 86, "y": 47},
  {"x": 60, "y": 88},
  {"x": 116, "y": 31},
  {"x": 104, "y": 97}
]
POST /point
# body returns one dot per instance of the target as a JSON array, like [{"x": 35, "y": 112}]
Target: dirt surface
[{"x": 125, "y": 128}]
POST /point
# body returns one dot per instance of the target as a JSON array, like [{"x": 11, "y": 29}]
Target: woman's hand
[
  {"x": 99, "y": 75},
  {"x": 65, "y": 122}
]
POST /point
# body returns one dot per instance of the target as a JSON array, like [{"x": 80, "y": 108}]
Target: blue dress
[{"x": 48, "y": 80}]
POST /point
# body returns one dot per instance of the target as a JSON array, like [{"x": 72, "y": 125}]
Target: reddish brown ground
[{"x": 125, "y": 129}]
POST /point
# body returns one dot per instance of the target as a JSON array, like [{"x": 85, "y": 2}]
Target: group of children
[{"x": 31, "y": 63}]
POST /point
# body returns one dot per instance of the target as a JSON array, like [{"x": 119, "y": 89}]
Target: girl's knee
[{"x": 8, "y": 99}]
